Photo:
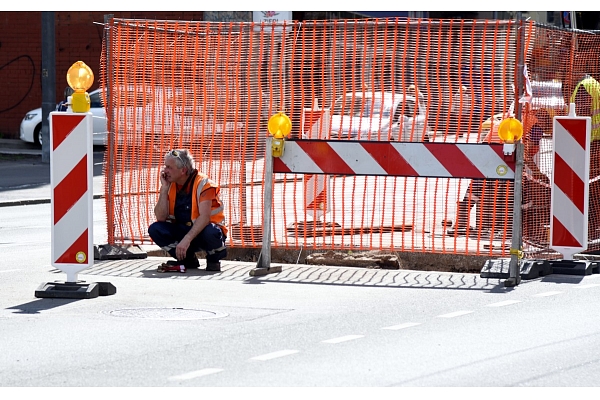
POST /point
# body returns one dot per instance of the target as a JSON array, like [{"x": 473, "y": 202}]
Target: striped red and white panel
[
  {"x": 570, "y": 182},
  {"x": 72, "y": 191},
  {"x": 443, "y": 160}
]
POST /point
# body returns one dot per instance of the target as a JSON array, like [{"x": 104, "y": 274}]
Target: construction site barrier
[{"x": 436, "y": 86}]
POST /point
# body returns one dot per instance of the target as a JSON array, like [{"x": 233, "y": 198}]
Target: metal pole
[
  {"x": 263, "y": 266},
  {"x": 48, "y": 80},
  {"x": 515, "y": 247},
  {"x": 265, "y": 255}
]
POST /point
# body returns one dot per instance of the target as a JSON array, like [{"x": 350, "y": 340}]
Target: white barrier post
[
  {"x": 71, "y": 181},
  {"x": 570, "y": 192},
  {"x": 316, "y": 121}
]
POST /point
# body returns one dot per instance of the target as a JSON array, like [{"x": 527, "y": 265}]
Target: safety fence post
[
  {"x": 279, "y": 126},
  {"x": 515, "y": 247}
]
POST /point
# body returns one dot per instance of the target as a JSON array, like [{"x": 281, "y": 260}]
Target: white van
[{"x": 379, "y": 116}]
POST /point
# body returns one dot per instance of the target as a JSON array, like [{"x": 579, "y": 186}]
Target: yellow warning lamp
[
  {"x": 510, "y": 131},
  {"x": 80, "y": 78},
  {"x": 279, "y": 126}
]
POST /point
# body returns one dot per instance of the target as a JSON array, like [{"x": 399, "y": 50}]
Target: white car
[
  {"x": 380, "y": 116},
  {"x": 31, "y": 126}
]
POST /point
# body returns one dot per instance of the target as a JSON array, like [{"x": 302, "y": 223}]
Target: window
[{"x": 96, "y": 100}]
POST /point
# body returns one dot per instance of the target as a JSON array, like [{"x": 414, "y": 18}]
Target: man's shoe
[
  {"x": 191, "y": 263},
  {"x": 213, "y": 266}
]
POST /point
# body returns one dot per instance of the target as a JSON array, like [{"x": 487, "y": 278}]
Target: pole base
[
  {"x": 574, "y": 267},
  {"x": 74, "y": 290},
  {"x": 512, "y": 282},
  {"x": 264, "y": 271},
  {"x": 529, "y": 269}
]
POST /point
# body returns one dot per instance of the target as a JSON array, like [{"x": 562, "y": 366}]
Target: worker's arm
[{"x": 161, "y": 209}]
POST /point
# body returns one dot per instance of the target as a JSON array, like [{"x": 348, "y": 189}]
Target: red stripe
[
  {"x": 389, "y": 159},
  {"x": 569, "y": 182},
  {"x": 310, "y": 118},
  {"x": 454, "y": 160},
  {"x": 279, "y": 166},
  {"x": 320, "y": 199},
  {"x": 81, "y": 244},
  {"x": 62, "y": 126},
  {"x": 576, "y": 127},
  {"x": 510, "y": 162},
  {"x": 561, "y": 236},
  {"x": 70, "y": 189},
  {"x": 325, "y": 157}
]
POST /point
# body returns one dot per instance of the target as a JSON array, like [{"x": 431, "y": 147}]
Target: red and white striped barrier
[
  {"x": 442, "y": 160},
  {"x": 71, "y": 154},
  {"x": 570, "y": 184}
]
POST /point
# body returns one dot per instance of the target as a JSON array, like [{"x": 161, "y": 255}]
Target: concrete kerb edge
[
  {"x": 366, "y": 259},
  {"x": 36, "y": 201}
]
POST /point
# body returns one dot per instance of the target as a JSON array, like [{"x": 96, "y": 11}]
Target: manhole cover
[{"x": 167, "y": 313}]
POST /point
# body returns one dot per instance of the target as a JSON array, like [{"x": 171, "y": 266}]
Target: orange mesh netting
[{"x": 211, "y": 88}]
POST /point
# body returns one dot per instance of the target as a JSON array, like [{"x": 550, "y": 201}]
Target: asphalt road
[{"x": 307, "y": 326}]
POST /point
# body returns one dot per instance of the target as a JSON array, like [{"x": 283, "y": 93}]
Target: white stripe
[
  {"x": 275, "y": 354},
  {"x": 343, "y": 339},
  {"x": 70, "y": 152},
  {"x": 11, "y": 270},
  {"x": 421, "y": 160},
  {"x": 357, "y": 158},
  {"x": 68, "y": 229},
  {"x": 504, "y": 303},
  {"x": 569, "y": 150},
  {"x": 546, "y": 294},
  {"x": 591, "y": 285},
  {"x": 568, "y": 214},
  {"x": 402, "y": 326},
  {"x": 485, "y": 159},
  {"x": 297, "y": 160},
  {"x": 195, "y": 374},
  {"x": 455, "y": 314}
]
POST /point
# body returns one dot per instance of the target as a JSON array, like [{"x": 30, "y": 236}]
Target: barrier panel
[{"x": 211, "y": 87}]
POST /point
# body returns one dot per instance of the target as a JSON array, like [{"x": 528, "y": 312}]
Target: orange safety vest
[{"x": 201, "y": 183}]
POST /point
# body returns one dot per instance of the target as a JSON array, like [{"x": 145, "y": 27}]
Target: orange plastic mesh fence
[
  {"x": 560, "y": 59},
  {"x": 211, "y": 88}
]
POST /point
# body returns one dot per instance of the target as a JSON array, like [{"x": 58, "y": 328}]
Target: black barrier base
[
  {"x": 265, "y": 271},
  {"x": 110, "y": 252},
  {"x": 74, "y": 290},
  {"x": 529, "y": 269},
  {"x": 574, "y": 267},
  {"x": 106, "y": 289}
]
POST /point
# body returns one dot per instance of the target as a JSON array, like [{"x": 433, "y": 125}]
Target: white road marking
[
  {"x": 588, "y": 286},
  {"x": 195, "y": 374},
  {"x": 402, "y": 326},
  {"x": 11, "y": 270},
  {"x": 342, "y": 339},
  {"x": 455, "y": 314},
  {"x": 546, "y": 294},
  {"x": 276, "y": 354},
  {"x": 504, "y": 303}
]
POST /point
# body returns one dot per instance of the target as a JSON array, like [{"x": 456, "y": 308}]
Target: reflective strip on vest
[
  {"x": 201, "y": 183},
  {"x": 592, "y": 87}
]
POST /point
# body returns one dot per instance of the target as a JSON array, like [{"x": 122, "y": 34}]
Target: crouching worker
[{"x": 189, "y": 216}]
